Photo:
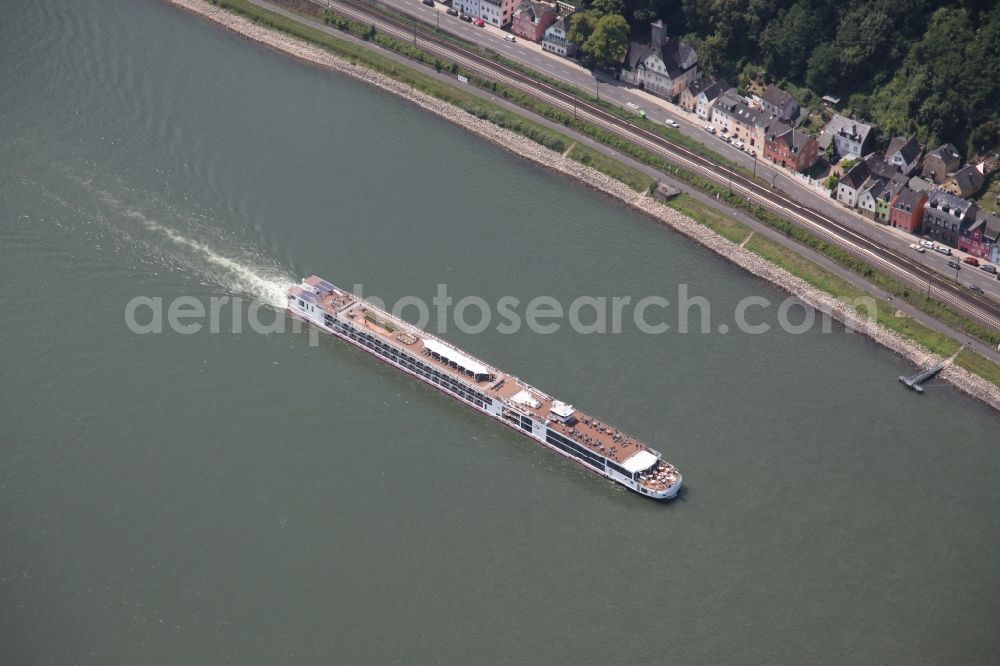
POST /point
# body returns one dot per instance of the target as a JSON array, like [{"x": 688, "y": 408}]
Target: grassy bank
[
  {"x": 634, "y": 178},
  {"x": 812, "y": 273},
  {"x": 718, "y": 222},
  {"x": 979, "y": 365},
  {"x": 840, "y": 288}
]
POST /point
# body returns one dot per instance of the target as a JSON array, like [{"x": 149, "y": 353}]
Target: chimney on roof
[{"x": 658, "y": 33}]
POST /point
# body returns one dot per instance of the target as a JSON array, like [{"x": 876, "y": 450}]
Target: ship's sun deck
[{"x": 634, "y": 456}]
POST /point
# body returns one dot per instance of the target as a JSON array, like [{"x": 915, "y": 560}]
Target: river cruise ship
[{"x": 595, "y": 445}]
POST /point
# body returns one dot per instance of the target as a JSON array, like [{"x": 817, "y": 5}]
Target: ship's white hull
[{"x": 536, "y": 435}]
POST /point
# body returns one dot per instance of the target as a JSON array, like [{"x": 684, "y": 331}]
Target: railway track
[{"x": 889, "y": 261}]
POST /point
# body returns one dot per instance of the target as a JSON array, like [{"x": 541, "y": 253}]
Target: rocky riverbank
[{"x": 523, "y": 147}]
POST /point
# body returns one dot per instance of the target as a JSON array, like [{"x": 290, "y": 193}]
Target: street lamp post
[{"x": 755, "y": 164}]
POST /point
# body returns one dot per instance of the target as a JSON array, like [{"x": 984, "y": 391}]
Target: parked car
[
  {"x": 669, "y": 122},
  {"x": 749, "y": 151},
  {"x": 738, "y": 144},
  {"x": 943, "y": 249},
  {"x": 954, "y": 264},
  {"x": 465, "y": 17},
  {"x": 988, "y": 268},
  {"x": 510, "y": 38},
  {"x": 972, "y": 261},
  {"x": 479, "y": 22},
  {"x": 429, "y": 3},
  {"x": 452, "y": 11},
  {"x": 976, "y": 288},
  {"x": 710, "y": 129},
  {"x": 918, "y": 247},
  {"x": 927, "y": 243}
]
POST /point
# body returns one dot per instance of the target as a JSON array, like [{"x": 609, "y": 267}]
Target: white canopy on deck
[
  {"x": 458, "y": 358},
  {"x": 639, "y": 461}
]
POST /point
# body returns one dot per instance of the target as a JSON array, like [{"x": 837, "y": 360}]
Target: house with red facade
[
  {"x": 531, "y": 19},
  {"x": 791, "y": 149},
  {"x": 906, "y": 211},
  {"x": 981, "y": 237}
]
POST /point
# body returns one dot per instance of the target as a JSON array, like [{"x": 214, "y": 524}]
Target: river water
[{"x": 225, "y": 497}]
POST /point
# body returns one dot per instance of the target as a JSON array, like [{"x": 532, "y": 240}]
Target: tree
[
  {"x": 607, "y": 7},
  {"x": 823, "y": 68},
  {"x": 787, "y": 42},
  {"x": 711, "y": 52},
  {"x": 581, "y": 25},
  {"x": 831, "y": 152},
  {"x": 609, "y": 41}
]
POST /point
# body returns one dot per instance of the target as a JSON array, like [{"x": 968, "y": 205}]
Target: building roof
[
  {"x": 992, "y": 223},
  {"x": 729, "y": 101},
  {"x": 880, "y": 166},
  {"x": 534, "y": 10},
  {"x": 950, "y": 203},
  {"x": 919, "y": 184},
  {"x": 969, "y": 178},
  {"x": 676, "y": 56},
  {"x": 848, "y": 127},
  {"x": 561, "y": 23},
  {"x": 768, "y": 122},
  {"x": 947, "y": 153},
  {"x": 709, "y": 88},
  {"x": 907, "y": 200},
  {"x": 856, "y": 177},
  {"x": 894, "y": 186},
  {"x": 778, "y": 98},
  {"x": 989, "y": 223},
  {"x": 873, "y": 186},
  {"x": 791, "y": 138},
  {"x": 908, "y": 149}
]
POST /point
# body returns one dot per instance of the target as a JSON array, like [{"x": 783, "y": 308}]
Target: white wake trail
[{"x": 241, "y": 270}]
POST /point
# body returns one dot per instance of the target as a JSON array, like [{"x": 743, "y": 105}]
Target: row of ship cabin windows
[
  {"x": 575, "y": 450},
  {"x": 518, "y": 420},
  {"x": 585, "y": 454},
  {"x": 415, "y": 365}
]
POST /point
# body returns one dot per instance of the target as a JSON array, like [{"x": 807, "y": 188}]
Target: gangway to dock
[{"x": 914, "y": 382}]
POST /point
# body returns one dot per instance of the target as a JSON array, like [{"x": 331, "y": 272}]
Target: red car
[
  {"x": 972, "y": 261},
  {"x": 479, "y": 22}
]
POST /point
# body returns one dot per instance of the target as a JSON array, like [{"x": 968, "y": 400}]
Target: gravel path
[{"x": 527, "y": 149}]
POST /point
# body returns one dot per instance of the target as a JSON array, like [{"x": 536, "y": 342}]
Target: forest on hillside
[{"x": 913, "y": 66}]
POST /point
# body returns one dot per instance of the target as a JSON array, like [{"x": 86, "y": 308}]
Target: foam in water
[{"x": 239, "y": 270}]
